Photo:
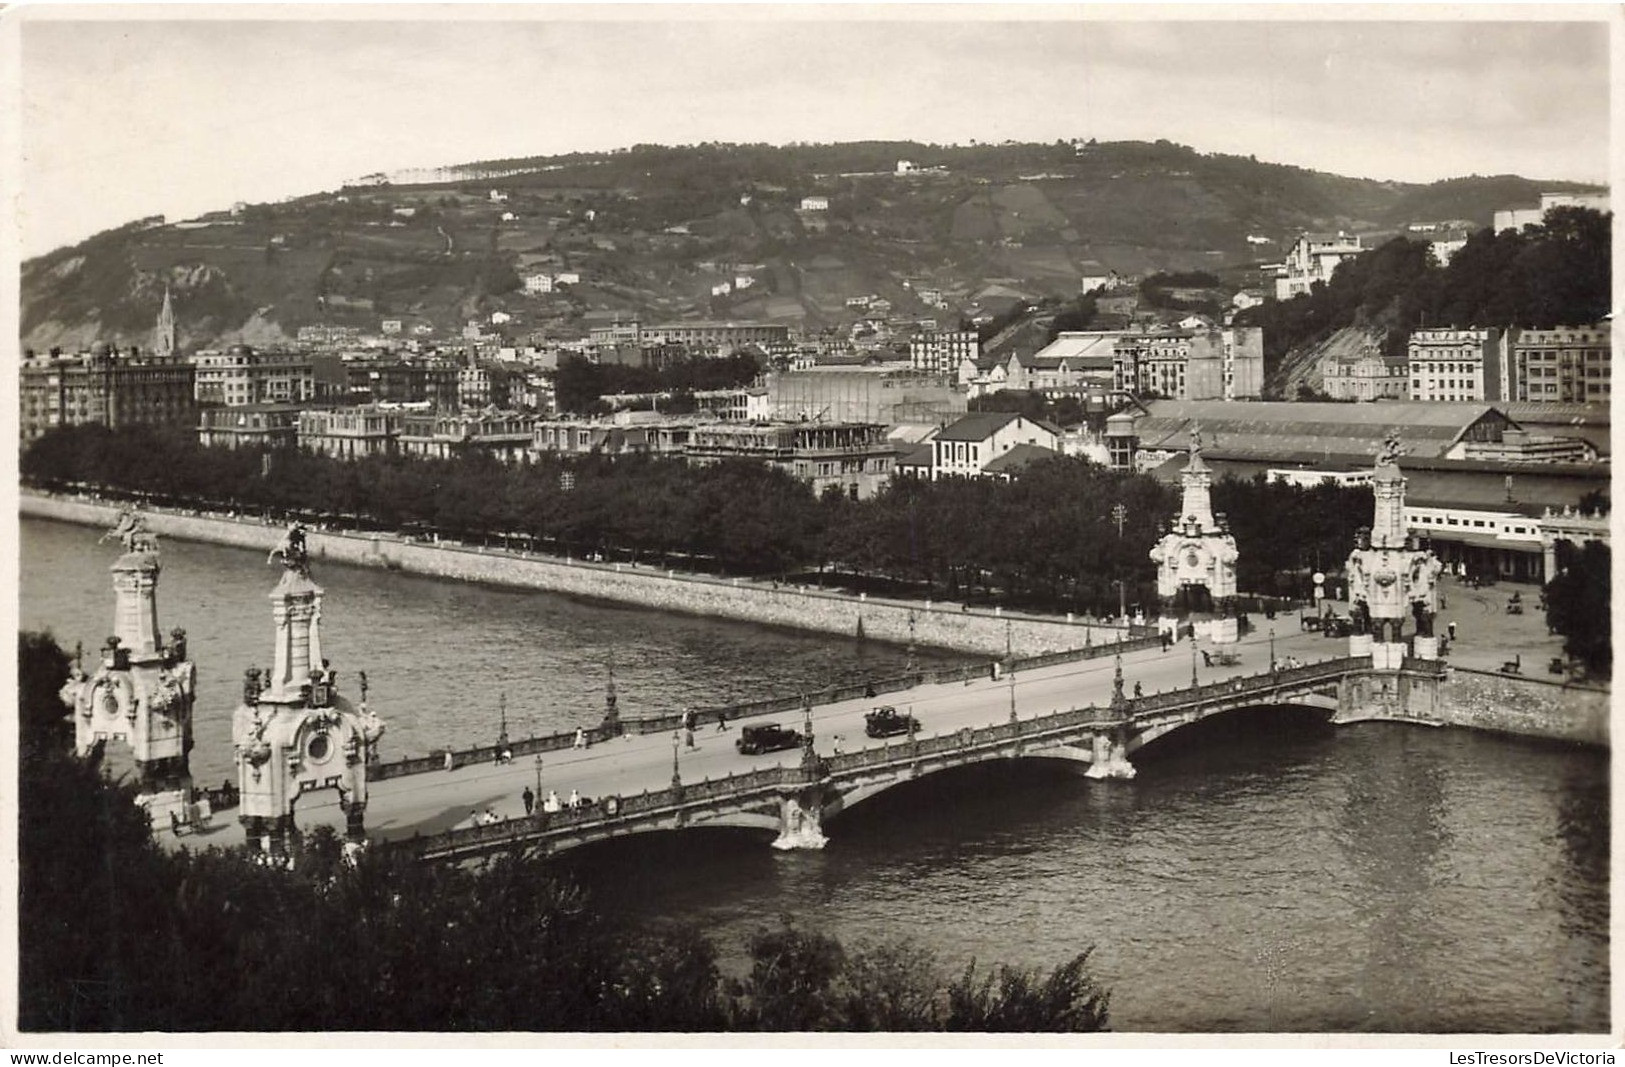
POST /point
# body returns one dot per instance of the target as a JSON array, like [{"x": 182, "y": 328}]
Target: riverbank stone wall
[
  {"x": 936, "y": 624},
  {"x": 1528, "y": 707}
]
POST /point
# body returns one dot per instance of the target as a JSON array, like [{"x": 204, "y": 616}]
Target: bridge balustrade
[
  {"x": 664, "y": 723},
  {"x": 743, "y": 784},
  {"x": 1240, "y": 685}
]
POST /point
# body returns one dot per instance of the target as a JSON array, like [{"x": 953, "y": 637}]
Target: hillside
[{"x": 659, "y": 231}]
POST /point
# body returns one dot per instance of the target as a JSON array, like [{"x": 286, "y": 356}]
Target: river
[{"x": 1264, "y": 872}]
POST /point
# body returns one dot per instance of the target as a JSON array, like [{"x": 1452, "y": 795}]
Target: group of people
[
  {"x": 552, "y": 802},
  {"x": 483, "y": 818}
]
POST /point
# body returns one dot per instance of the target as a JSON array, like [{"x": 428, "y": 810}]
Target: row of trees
[
  {"x": 1554, "y": 274},
  {"x": 1048, "y": 540},
  {"x": 115, "y": 934}
]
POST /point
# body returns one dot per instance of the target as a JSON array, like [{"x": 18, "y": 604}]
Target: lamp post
[
  {"x": 1010, "y": 668},
  {"x": 1193, "y": 657},
  {"x": 538, "y": 779},
  {"x": 1119, "y": 516},
  {"x": 1122, "y": 601},
  {"x": 1272, "y": 650},
  {"x": 676, "y": 778}
]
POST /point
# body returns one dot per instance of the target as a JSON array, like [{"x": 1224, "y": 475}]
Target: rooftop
[{"x": 1017, "y": 458}]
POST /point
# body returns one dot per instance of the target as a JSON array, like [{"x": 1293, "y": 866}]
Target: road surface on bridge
[{"x": 439, "y": 800}]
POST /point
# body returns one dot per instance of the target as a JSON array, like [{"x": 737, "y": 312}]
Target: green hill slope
[{"x": 656, "y": 230}]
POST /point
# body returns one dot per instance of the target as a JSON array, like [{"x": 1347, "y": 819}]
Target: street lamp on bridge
[
  {"x": 1193, "y": 655},
  {"x": 1272, "y": 650},
  {"x": 676, "y": 778},
  {"x": 538, "y": 779},
  {"x": 1010, "y": 668}
]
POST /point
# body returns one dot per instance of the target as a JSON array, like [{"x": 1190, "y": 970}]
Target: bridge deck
[{"x": 434, "y": 802}]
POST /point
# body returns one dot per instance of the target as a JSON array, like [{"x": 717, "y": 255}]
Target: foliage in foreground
[{"x": 115, "y": 934}]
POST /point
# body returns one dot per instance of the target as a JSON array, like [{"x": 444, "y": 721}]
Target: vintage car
[
  {"x": 758, "y": 737},
  {"x": 887, "y": 721}
]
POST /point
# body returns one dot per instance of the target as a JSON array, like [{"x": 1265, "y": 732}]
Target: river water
[{"x": 1264, "y": 871}]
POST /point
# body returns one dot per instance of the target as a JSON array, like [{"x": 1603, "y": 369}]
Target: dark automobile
[
  {"x": 761, "y": 737},
  {"x": 887, "y": 721}
]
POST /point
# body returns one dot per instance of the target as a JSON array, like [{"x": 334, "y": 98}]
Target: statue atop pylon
[
  {"x": 143, "y": 690},
  {"x": 294, "y": 733}
]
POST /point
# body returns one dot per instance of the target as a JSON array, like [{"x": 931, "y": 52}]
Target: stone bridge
[{"x": 794, "y": 801}]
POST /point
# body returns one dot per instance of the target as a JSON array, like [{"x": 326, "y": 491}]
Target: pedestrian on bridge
[
  {"x": 530, "y": 800},
  {"x": 722, "y": 720},
  {"x": 581, "y": 738}
]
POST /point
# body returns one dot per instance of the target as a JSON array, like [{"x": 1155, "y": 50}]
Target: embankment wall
[
  {"x": 938, "y": 625},
  {"x": 1528, "y": 707}
]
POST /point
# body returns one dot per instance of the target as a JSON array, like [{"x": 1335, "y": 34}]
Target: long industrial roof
[{"x": 1272, "y": 429}]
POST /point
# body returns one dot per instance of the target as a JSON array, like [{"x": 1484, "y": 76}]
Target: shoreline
[
  {"x": 933, "y": 624},
  {"x": 1473, "y": 698}
]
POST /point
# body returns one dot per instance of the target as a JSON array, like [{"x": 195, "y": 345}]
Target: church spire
[{"x": 163, "y": 333}]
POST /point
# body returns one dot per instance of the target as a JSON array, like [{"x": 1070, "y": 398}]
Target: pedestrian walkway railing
[
  {"x": 732, "y": 713},
  {"x": 970, "y": 744}
]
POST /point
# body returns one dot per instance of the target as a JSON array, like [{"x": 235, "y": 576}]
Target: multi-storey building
[
  {"x": 506, "y": 435},
  {"x": 250, "y": 426},
  {"x": 240, "y": 375},
  {"x": 1458, "y": 364},
  {"x": 1184, "y": 364},
  {"x": 1564, "y": 365},
  {"x": 1312, "y": 259},
  {"x": 351, "y": 433},
  {"x": 624, "y": 433},
  {"x": 105, "y": 387},
  {"x": 1368, "y": 375},
  {"x": 969, "y": 445},
  {"x": 744, "y": 404},
  {"x": 723, "y": 337},
  {"x": 405, "y": 381},
  {"x": 855, "y": 458},
  {"x": 864, "y": 394},
  {"x": 942, "y": 352}
]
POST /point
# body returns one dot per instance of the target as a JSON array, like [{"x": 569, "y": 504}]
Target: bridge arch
[{"x": 1314, "y": 705}]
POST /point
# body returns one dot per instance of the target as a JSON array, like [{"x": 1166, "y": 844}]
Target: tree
[{"x": 1578, "y": 603}]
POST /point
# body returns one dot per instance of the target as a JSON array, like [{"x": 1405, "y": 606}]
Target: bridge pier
[
  {"x": 1109, "y": 757},
  {"x": 801, "y": 820},
  {"x": 1390, "y": 695}
]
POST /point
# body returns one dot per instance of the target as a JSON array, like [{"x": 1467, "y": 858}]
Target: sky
[{"x": 124, "y": 117}]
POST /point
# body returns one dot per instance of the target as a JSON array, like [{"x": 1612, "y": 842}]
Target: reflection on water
[{"x": 1264, "y": 871}]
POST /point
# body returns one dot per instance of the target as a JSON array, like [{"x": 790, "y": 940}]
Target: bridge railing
[
  {"x": 967, "y": 739},
  {"x": 655, "y": 724},
  {"x": 1243, "y": 684},
  {"x": 600, "y": 811}
]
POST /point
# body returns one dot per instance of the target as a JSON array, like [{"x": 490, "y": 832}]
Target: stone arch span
[{"x": 1310, "y": 704}]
